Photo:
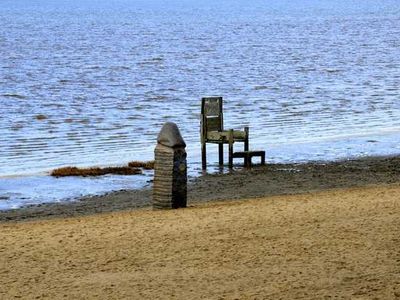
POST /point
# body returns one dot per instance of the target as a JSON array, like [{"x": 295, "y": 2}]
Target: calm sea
[{"x": 91, "y": 82}]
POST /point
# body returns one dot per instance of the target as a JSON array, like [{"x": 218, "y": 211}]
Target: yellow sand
[{"x": 343, "y": 244}]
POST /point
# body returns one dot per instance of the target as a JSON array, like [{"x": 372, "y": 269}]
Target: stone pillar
[{"x": 170, "y": 175}]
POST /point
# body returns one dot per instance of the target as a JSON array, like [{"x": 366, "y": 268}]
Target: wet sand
[
  {"x": 273, "y": 179},
  {"x": 337, "y": 244}
]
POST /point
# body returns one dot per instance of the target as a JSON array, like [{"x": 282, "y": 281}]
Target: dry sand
[{"x": 337, "y": 244}]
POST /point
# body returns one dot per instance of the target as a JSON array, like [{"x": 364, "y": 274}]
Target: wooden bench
[
  {"x": 213, "y": 131},
  {"x": 247, "y": 155}
]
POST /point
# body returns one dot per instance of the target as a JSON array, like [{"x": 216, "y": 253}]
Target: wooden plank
[
  {"x": 248, "y": 155},
  {"x": 212, "y": 106},
  {"x": 213, "y": 124}
]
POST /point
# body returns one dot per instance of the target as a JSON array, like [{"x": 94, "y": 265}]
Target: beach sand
[
  {"x": 334, "y": 244},
  {"x": 270, "y": 180}
]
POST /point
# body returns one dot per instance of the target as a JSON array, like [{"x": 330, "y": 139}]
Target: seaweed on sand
[
  {"x": 96, "y": 171},
  {"x": 147, "y": 165}
]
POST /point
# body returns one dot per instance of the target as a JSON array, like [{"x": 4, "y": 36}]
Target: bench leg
[
  {"x": 203, "y": 156},
  {"x": 247, "y": 161},
  {"x": 263, "y": 159},
  {"x": 231, "y": 149},
  {"x": 221, "y": 154},
  {"x": 231, "y": 156},
  {"x": 246, "y": 141}
]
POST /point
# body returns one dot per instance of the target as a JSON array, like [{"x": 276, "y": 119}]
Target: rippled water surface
[{"x": 91, "y": 82}]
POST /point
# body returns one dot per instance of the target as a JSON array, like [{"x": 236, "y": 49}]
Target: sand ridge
[{"x": 338, "y": 244}]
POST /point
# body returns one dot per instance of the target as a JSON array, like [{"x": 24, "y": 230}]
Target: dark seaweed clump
[
  {"x": 40, "y": 117},
  {"x": 147, "y": 165},
  {"x": 133, "y": 168},
  {"x": 85, "y": 172}
]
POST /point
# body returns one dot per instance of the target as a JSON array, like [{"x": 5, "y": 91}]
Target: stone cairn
[{"x": 170, "y": 175}]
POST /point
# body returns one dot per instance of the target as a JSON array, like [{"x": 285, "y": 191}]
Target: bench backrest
[{"x": 211, "y": 114}]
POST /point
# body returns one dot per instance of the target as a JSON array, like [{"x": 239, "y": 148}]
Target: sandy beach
[
  {"x": 334, "y": 244},
  {"x": 270, "y": 180}
]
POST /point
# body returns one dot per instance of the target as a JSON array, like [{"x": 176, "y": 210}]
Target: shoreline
[
  {"x": 328, "y": 244},
  {"x": 261, "y": 181}
]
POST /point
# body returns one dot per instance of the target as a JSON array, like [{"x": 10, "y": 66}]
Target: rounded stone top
[{"x": 170, "y": 136}]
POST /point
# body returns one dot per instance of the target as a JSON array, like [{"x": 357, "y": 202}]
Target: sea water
[{"x": 90, "y": 83}]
